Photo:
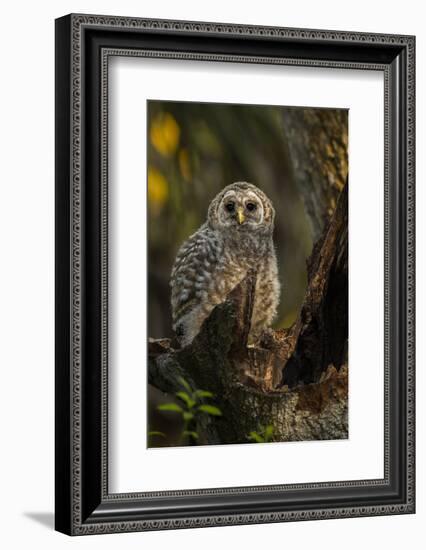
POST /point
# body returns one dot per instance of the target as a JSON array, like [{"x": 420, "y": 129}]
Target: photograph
[
  {"x": 234, "y": 273},
  {"x": 212, "y": 237},
  {"x": 247, "y": 273}
]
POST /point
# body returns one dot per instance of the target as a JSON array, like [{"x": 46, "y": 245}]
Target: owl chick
[{"x": 236, "y": 237}]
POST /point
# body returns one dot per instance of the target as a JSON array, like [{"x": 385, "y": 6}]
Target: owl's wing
[{"x": 192, "y": 271}]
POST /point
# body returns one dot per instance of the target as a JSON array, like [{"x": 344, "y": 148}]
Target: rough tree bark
[
  {"x": 318, "y": 145},
  {"x": 297, "y": 379}
]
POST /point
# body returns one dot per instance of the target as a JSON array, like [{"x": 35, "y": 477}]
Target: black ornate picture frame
[{"x": 84, "y": 43}]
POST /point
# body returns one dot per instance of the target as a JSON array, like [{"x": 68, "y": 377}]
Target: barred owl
[{"x": 236, "y": 237}]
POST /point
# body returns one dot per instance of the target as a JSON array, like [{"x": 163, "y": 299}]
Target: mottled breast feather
[{"x": 192, "y": 270}]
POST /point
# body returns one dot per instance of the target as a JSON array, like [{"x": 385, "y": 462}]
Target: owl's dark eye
[
  {"x": 251, "y": 206},
  {"x": 230, "y": 206}
]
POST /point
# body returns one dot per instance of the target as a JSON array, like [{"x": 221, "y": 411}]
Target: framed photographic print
[{"x": 234, "y": 274}]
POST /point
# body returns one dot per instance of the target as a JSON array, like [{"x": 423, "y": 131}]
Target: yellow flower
[
  {"x": 164, "y": 134},
  {"x": 158, "y": 189},
  {"x": 184, "y": 164}
]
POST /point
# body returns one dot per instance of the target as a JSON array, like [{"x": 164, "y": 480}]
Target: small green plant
[
  {"x": 191, "y": 408},
  {"x": 263, "y": 435}
]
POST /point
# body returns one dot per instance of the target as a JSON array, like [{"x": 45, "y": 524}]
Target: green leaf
[
  {"x": 187, "y": 416},
  {"x": 210, "y": 409},
  {"x": 254, "y": 436},
  {"x": 186, "y": 399},
  {"x": 160, "y": 434},
  {"x": 194, "y": 435},
  {"x": 185, "y": 384},
  {"x": 203, "y": 393},
  {"x": 170, "y": 407},
  {"x": 269, "y": 432}
]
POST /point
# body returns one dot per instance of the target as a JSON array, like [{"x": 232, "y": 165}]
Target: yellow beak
[{"x": 240, "y": 215}]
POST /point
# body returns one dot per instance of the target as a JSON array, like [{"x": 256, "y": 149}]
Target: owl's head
[{"x": 243, "y": 207}]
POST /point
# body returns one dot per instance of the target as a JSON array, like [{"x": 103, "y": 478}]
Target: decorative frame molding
[{"x": 84, "y": 44}]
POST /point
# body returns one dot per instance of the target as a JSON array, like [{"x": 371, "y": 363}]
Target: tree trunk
[
  {"x": 318, "y": 145},
  {"x": 296, "y": 380}
]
